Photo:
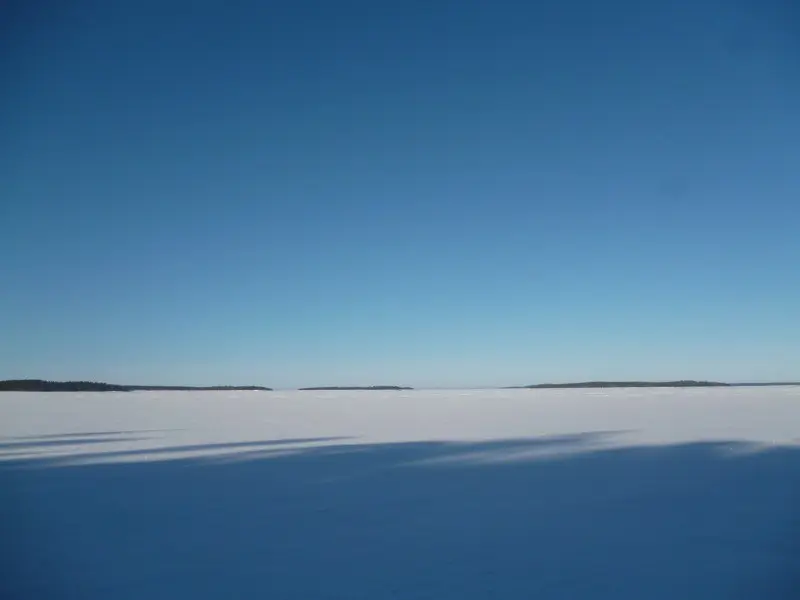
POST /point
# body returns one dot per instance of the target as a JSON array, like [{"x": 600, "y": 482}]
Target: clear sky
[{"x": 430, "y": 193}]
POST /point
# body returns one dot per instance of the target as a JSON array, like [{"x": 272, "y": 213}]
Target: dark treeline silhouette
[
  {"x": 40, "y": 385},
  {"x": 371, "y": 387},
  {"x": 625, "y": 384}
]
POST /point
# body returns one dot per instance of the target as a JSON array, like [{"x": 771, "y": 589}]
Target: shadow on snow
[{"x": 543, "y": 518}]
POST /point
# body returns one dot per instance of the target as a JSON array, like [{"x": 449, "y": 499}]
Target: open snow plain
[{"x": 445, "y": 495}]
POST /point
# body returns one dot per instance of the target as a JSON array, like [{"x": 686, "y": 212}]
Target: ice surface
[{"x": 626, "y": 493}]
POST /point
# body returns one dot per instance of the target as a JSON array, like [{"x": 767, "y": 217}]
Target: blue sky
[{"x": 432, "y": 193}]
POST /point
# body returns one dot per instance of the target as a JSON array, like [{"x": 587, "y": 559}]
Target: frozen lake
[{"x": 463, "y": 494}]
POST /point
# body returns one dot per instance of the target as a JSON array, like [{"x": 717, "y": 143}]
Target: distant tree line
[
  {"x": 41, "y": 385},
  {"x": 626, "y": 384}
]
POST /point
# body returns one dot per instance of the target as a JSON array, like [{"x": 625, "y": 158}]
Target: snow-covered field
[{"x": 638, "y": 493}]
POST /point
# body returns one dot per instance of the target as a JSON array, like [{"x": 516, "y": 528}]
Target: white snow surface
[{"x": 443, "y": 494}]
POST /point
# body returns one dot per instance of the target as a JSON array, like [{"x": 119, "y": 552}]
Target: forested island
[
  {"x": 624, "y": 384},
  {"x": 41, "y": 385},
  {"x": 371, "y": 387}
]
